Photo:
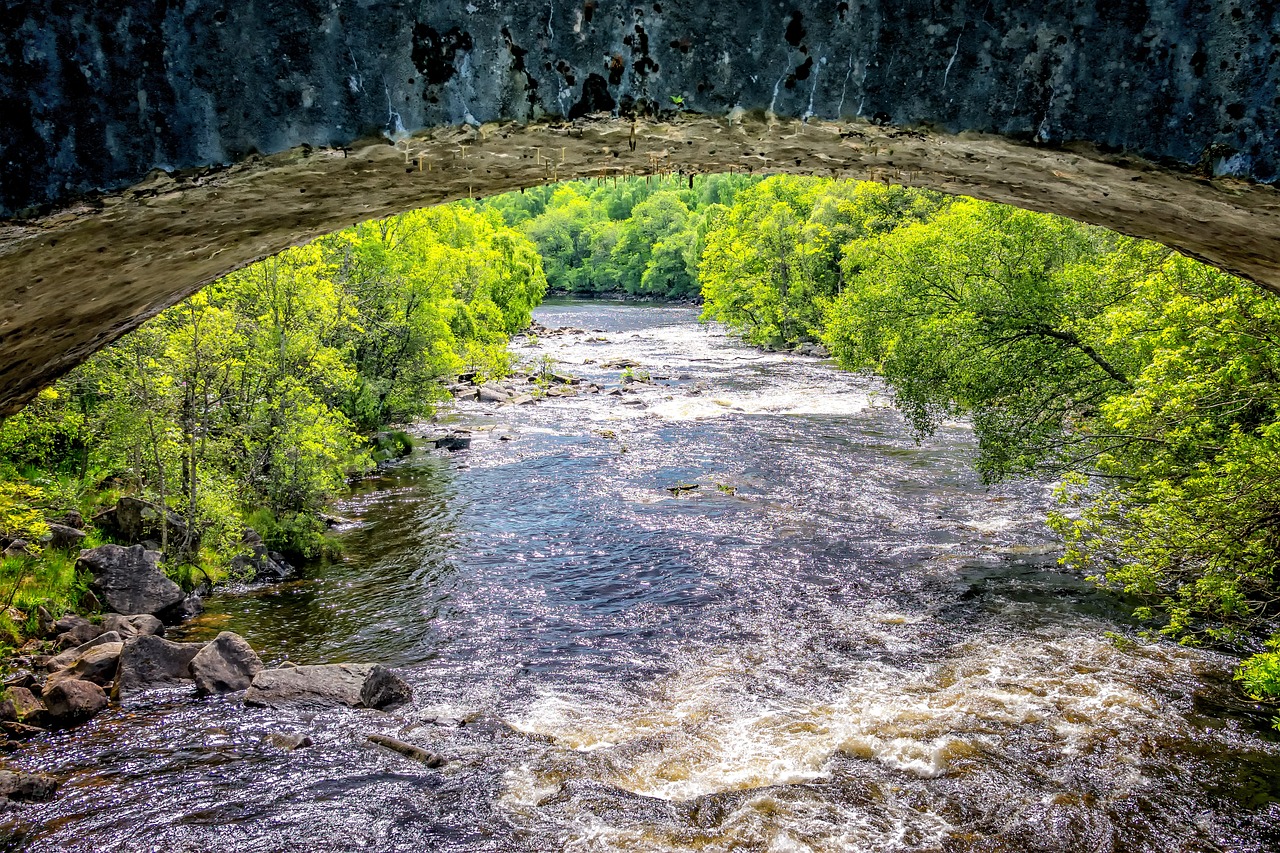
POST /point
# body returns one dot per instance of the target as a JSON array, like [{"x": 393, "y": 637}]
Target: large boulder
[
  {"x": 494, "y": 394},
  {"x": 129, "y": 580},
  {"x": 27, "y": 787},
  {"x": 225, "y": 665},
  {"x": 384, "y": 689},
  {"x": 327, "y": 684},
  {"x": 148, "y": 661},
  {"x": 74, "y": 701},
  {"x": 133, "y": 626}
]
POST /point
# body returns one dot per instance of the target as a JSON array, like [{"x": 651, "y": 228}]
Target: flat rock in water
[
  {"x": 73, "y": 701},
  {"x": 129, "y": 580},
  {"x": 27, "y": 787},
  {"x": 149, "y": 661},
  {"x": 326, "y": 684},
  {"x": 492, "y": 394},
  {"x": 225, "y": 665}
]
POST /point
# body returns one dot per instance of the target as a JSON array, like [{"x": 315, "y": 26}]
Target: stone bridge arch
[{"x": 148, "y": 148}]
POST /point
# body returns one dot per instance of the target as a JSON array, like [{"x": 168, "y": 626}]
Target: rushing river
[{"x": 840, "y": 641}]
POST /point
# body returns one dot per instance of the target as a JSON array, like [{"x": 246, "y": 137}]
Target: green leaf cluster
[{"x": 255, "y": 394}]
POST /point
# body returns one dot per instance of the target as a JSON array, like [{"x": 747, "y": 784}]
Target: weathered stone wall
[
  {"x": 148, "y": 147},
  {"x": 95, "y": 94}
]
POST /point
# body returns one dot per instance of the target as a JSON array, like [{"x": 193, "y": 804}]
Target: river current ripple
[{"x": 841, "y": 641}]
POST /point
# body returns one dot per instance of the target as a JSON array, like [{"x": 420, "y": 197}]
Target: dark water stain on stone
[{"x": 435, "y": 53}]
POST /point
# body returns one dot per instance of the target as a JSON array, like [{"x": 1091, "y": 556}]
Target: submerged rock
[
  {"x": 149, "y": 661},
  {"x": 288, "y": 741},
  {"x": 27, "y": 787},
  {"x": 129, "y": 580},
  {"x": 326, "y": 684},
  {"x": 225, "y": 665}
]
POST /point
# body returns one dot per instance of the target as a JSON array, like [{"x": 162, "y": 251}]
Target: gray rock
[
  {"x": 17, "y": 548},
  {"x": 452, "y": 442},
  {"x": 97, "y": 665},
  {"x": 63, "y": 537},
  {"x": 129, "y": 580},
  {"x": 73, "y": 701},
  {"x": 73, "y": 518},
  {"x": 27, "y": 787},
  {"x": 328, "y": 684},
  {"x": 68, "y": 657},
  {"x": 75, "y": 631},
  {"x": 133, "y": 626},
  {"x": 149, "y": 661},
  {"x": 522, "y": 399},
  {"x": 225, "y": 665},
  {"x": 261, "y": 565},
  {"x": 493, "y": 394},
  {"x": 384, "y": 689}
]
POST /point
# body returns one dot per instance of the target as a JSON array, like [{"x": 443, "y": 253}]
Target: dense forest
[
  {"x": 1146, "y": 384},
  {"x": 639, "y": 237}
]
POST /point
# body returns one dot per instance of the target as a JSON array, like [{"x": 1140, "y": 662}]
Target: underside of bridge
[{"x": 150, "y": 149}]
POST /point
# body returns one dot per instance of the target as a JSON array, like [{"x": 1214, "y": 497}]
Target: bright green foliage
[
  {"x": 20, "y": 515},
  {"x": 254, "y": 393},
  {"x": 641, "y": 236},
  {"x": 994, "y": 311},
  {"x": 774, "y": 260},
  {"x": 1260, "y": 674}
]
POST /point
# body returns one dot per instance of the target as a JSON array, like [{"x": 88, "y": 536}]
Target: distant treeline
[{"x": 639, "y": 236}]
